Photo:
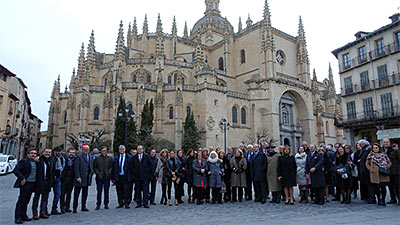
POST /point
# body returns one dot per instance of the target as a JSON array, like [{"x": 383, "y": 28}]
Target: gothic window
[
  {"x": 234, "y": 114},
  {"x": 105, "y": 82},
  {"x": 183, "y": 81},
  {"x": 130, "y": 110},
  {"x": 285, "y": 115},
  {"x": 221, "y": 63},
  {"x": 242, "y": 56},
  {"x": 175, "y": 78},
  {"x": 134, "y": 78},
  {"x": 243, "y": 115},
  {"x": 171, "y": 113},
  {"x": 96, "y": 113},
  {"x": 188, "y": 111},
  {"x": 169, "y": 80},
  {"x": 148, "y": 78}
]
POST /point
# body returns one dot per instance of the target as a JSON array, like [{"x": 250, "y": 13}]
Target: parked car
[{"x": 7, "y": 164}]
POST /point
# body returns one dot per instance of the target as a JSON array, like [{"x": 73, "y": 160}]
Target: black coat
[
  {"x": 171, "y": 168},
  {"x": 22, "y": 171},
  {"x": 154, "y": 162},
  {"x": 128, "y": 168},
  {"x": 329, "y": 170},
  {"x": 68, "y": 173},
  {"x": 394, "y": 156},
  {"x": 287, "y": 169},
  {"x": 142, "y": 170},
  {"x": 188, "y": 169},
  {"x": 317, "y": 177},
  {"x": 342, "y": 163},
  {"x": 361, "y": 159},
  {"x": 259, "y": 167},
  {"x": 227, "y": 170},
  {"x": 41, "y": 178}
]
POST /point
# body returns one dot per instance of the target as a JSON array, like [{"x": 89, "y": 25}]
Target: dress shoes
[
  {"x": 44, "y": 216},
  {"x": 68, "y": 211},
  {"x": 138, "y": 206},
  {"x": 55, "y": 212},
  {"x": 153, "y": 203},
  {"x": 18, "y": 221},
  {"x": 120, "y": 206},
  {"x": 146, "y": 206},
  {"x": 26, "y": 219},
  {"x": 127, "y": 207},
  {"x": 75, "y": 211},
  {"x": 106, "y": 207},
  {"x": 35, "y": 217},
  {"x": 97, "y": 208},
  {"x": 85, "y": 210}
]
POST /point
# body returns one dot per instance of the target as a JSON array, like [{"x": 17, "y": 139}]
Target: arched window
[
  {"x": 130, "y": 110},
  {"x": 175, "y": 78},
  {"x": 171, "y": 113},
  {"x": 96, "y": 113},
  {"x": 242, "y": 56},
  {"x": 169, "y": 80},
  {"x": 148, "y": 78},
  {"x": 188, "y": 111},
  {"x": 221, "y": 63},
  {"x": 243, "y": 115},
  {"x": 234, "y": 114},
  {"x": 105, "y": 82},
  {"x": 134, "y": 78},
  {"x": 183, "y": 81}
]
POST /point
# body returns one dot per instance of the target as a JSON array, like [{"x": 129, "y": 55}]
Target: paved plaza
[{"x": 230, "y": 213}]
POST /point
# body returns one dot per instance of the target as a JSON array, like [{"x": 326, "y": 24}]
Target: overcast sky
[{"x": 41, "y": 39}]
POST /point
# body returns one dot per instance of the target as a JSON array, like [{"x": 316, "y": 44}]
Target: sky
[{"x": 41, "y": 39}]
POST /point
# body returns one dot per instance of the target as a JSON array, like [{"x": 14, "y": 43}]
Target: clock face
[{"x": 280, "y": 57}]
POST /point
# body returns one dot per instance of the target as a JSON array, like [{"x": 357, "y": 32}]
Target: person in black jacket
[
  {"x": 181, "y": 191},
  {"x": 226, "y": 176},
  {"x": 102, "y": 167},
  {"x": 59, "y": 164},
  {"x": 153, "y": 180},
  {"x": 259, "y": 166},
  {"x": 287, "y": 170},
  {"x": 394, "y": 156},
  {"x": 25, "y": 171},
  {"x": 83, "y": 168},
  {"x": 367, "y": 192},
  {"x": 314, "y": 170},
  {"x": 67, "y": 182},
  {"x": 343, "y": 174},
  {"x": 173, "y": 176},
  {"x": 44, "y": 181},
  {"x": 327, "y": 168},
  {"x": 121, "y": 176},
  {"x": 141, "y": 171},
  {"x": 190, "y": 157}
]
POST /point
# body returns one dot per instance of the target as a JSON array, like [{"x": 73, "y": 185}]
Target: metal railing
[
  {"x": 387, "y": 113},
  {"x": 96, "y": 88},
  {"x": 372, "y": 55},
  {"x": 393, "y": 79}
]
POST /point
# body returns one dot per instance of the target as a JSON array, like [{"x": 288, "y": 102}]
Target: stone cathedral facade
[{"x": 257, "y": 77}]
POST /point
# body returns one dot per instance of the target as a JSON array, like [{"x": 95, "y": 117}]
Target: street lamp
[
  {"x": 224, "y": 125},
  {"x": 121, "y": 114}
]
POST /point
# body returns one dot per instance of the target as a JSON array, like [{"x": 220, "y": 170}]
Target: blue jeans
[
  {"x": 100, "y": 184},
  {"x": 57, "y": 193}
]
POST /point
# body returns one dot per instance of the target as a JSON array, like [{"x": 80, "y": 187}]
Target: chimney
[{"x": 395, "y": 17}]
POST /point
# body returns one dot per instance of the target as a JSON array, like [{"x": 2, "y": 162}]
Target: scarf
[
  {"x": 300, "y": 155},
  {"x": 215, "y": 160},
  {"x": 380, "y": 159},
  {"x": 59, "y": 165}
]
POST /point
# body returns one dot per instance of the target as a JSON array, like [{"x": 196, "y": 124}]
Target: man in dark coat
[
  {"x": 67, "y": 181},
  {"x": 102, "y": 167},
  {"x": 44, "y": 182},
  {"x": 59, "y": 165},
  {"x": 25, "y": 171},
  {"x": 259, "y": 166},
  {"x": 249, "y": 182},
  {"x": 314, "y": 166},
  {"x": 366, "y": 190},
  {"x": 122, "y": 177},
  {"x": 83, "y": 169},
  {"x": 394, "y": 156},
  {"x": 153, "y": 180},
  {"x": 142, "y": 169}
]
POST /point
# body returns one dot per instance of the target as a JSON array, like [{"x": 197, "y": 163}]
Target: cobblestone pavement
[{"x": 228, "y": 213}]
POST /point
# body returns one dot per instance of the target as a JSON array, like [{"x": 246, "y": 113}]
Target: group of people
[{"x": 211, "y": 176}]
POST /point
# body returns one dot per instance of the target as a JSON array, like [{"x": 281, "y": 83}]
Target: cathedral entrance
[{"x": 290, "y": 115}]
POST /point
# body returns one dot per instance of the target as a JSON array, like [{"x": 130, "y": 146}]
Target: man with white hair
[
  {"x": 366, "y": 191},
  {"x": 249, "y": 183}
]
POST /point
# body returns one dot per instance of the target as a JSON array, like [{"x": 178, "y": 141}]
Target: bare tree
[
  {"x": 262, "y": 135},
  {"x": 95, "y": 137}
]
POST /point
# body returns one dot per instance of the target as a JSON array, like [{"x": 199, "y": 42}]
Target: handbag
[{"x": 384, "y": 171}]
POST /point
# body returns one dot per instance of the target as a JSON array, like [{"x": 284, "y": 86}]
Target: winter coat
[
  {"x": 171, "y": 169},
  {"x": 394, "y": 156},
  {"x": 215, "y": 171},
  {"x": 375, "y": 176},
  {"x": 259, "y": 167},
  {"x": 83, "y": 170},
  {"x": 154, "y": 163},
  {"x": 341, "y": 163},
  {"x": 227, "y": 170},
  {"x": 317, "y": 177},
  {"x": 329, "y": 170},
  {"x": 238, "y": 176},
  {"x": 272, "y": 174},
  {"x": 188, "y": 169},
  {"x": 354, "y": 167},
  {"x": 301, "y": 160},
  {"x": 199, "y": 178},
  {"x": 361, "y": 159},
  {"x": 287, "y": 169},
  {"x": 161, "y": 171}
]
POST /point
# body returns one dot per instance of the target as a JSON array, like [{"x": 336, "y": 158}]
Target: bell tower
[{"x": 212, "y": 6}]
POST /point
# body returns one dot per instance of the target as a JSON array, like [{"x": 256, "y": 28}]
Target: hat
[
  {"x": 58, "y": 149},
  {"x": 362, "y": 141},
  {"x": 270, "y": 145}
]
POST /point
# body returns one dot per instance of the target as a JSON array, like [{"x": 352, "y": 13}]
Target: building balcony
[
  {"x": 370, "y": 118},
  {"x": 375, "y": 84},
  {"x": 370, "y": 56}
]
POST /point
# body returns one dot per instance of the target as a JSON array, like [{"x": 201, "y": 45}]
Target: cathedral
[{"x": 257, "y": 78}]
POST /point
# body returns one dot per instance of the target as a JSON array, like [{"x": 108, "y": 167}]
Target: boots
[{"x": 348, "y": 196}]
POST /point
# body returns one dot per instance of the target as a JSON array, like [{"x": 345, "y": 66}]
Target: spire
[
  {"x": 72, "y": 81},
  {"x": 145, "y": 26},
  {"x": 240, "y": 24},
  {"x": 129, "y": 36},
  {"x": 249, "y": 22},
  {"x": 267, "y": 37},
  {"x": 174, "y": 29},
  {"x": 159, "y": 30},
  {"x": 331, "y": 87},
  {"x": 314, "y": 75},
  {"x": 91, "y": 52},
  {"x": 302, "y": 52},
  {"x": 134, "y": 29},
  {"x": 330, "y": 72},
  {"x": 314, "y": 83},
  {"x": 120, "y": 47},
  {"x": 185, "y": 31},
  {"x": 81, "y": 62}
]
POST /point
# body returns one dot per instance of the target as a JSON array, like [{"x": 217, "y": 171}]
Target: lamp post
[
  {"x": 224, "y": 125},
  {"x": 121, "y": 114}
]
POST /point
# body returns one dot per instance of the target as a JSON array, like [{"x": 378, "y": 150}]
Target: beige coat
[
  {"x": 374, "y": 174},
  {"x": 238, "y": 179},
  {"x": 272, "y": 176}
]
